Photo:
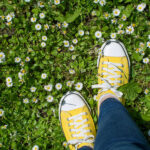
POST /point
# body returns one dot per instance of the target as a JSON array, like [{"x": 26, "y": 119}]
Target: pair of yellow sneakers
[{"x": 74, "y": 112}]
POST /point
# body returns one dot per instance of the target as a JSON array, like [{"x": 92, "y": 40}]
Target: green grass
[{"x": 30, "y": 124}]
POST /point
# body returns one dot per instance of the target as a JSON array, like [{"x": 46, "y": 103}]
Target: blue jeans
[{"x": 116, "y": 129}]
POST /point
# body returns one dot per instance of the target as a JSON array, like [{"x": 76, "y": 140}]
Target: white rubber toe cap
[
  {"x": 72, "y": 101},
  {"x": 113, "y": 49}
]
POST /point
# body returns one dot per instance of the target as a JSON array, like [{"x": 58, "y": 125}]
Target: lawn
[{"x": 49, "y": 47}]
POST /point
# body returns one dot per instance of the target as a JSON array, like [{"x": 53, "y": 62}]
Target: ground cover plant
[{"x": 48, "y": 47}]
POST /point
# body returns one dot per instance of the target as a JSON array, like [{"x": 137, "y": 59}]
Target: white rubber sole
[{"x": 117, "y": 41}]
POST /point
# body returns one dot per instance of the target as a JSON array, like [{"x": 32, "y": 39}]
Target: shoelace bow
[
  {"x": 86, "y": 139},
  {"x": 111, "y": 73}
]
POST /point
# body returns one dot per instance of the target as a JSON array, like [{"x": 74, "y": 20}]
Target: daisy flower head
[
  {"x": 44, "y": 75},
  {"x": 98, "y": 34},
  {"x": 1, "y": 112},
  {"x": 124, "y": 18},
  {"x": 20, "y": 75},
  {"x": 116, "y": 12},
  {"x": 113, "y": 21},
  {"x": 148, "y": 44},
  {"x": 81, "y": 32},
  {"x": 96, "y": 1},
  {"x": 46, "y": 26},
  {"x": 38, "y": 26},
  {"x": 73, "y": 57},
  {"x": 87, "y": 33},
  {"x": 65, "y": 144},
  {"x": 71, "y": 48},
  {"x": 141, "y": 7},
  {"x": 74, "y": 41},
  {"x": 141, "y": 44},
  {"x": 27, "y": 59},
  {"x": 120, "y": 26},
  {"x": 56, "y": 2},
  {"x": 42, "y": 15},
  {"x": 71, "y": 71},
  {"x": 34, "y": 100},
  {"x": 102, "y": 2},
  {"x": 93, "y": 13},
  {"x": 66, "y": 43},
  {"x": 2, "y": 55},
  {"x": 50, "y": 98},
  {"x": 8, "y": 18},
  {"x": 120, "y": 32},
  {"x": 48, "y": 87},
  {"x": 33, "y": 89},
  {"x": 17, "y": 60},
  {"x": 35, "y": 147},
  {"x": 43, "y": 44},
  {"x": 145, "y": 60},
  {"x": 12, "y": 14},
  {"x": 58, "y": 86},
  {"x": 44, "y": 38},
  {"x": 41, "y": 4},
  {"x": 8, "y": 79},
  {"x": 113, "y": 35},
  {"x": 78, "y": 86},
  {"x": 8, "y": 23},
  {"x": 9, "y": 84},
  {"x": 146, "y": 91},
  {"x": 129, "y": 30},
  {"x": 65, "y": 24},
  {"x": 2, "y": 17},
  {"x": 58, "y": 25},
  {"x": 25, "y": 100},
  {"x": 95, "y": 98},
  {"x": 69, "y": 83},
  {"x": 4, "y": 126},
  {"x": 106, "y": 15}
]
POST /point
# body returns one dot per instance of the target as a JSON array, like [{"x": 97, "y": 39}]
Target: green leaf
[{"x": 137, "y": 56}]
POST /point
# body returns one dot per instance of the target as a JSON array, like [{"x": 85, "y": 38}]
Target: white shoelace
[
  {"x": 107, "y": 80},
  {"x": 82, "y": 131}
]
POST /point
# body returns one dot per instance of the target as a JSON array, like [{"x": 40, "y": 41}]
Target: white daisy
[
  {"x": 8, "y": 79},
  {"x": 2, "y": 17},
  {"x": 27, "y": 59},
  {"x": 96, "y": 1},
  {"x": 33, "y": 19},
  {"x": 50, "y": 98},
  {"x": 87, "y": 33},
  {"x": 145, "y": 60},
  {"x": 56, "y": 2},
  {"x": 20, "y": 75},
  {"x": 114, "y": 21},
  {"x": 25, "y": 100},
  {"x": 120, "y": 26},
  {"x": 4, "y": 126},
  {"x": 74, "y": 41},
  {"x": 44, "y": 38},
  {"x": 41, "y": 4},
  {"x": 69, "y": 83},
  {"x": 146, "y": 91},
  {"x": 73, "y": 57},
  {"x": 93, "y": 13},
  {"x": 66, "y": 43},
  {"x": 1, "y": 112},
  {"x": 38, "y": 26},
  {"x": 102, "y": 2},
  {"x": 8, "y": 18},
  {"x": 71, "y": 48},
  {"x": 46, "y": 26},
  {"x": 129, "y": 30},
  {"x": 141, "y": 44},
  {"x": 44, "y": 75},
  {"x": 12, "y": 14},
  {"x": 81, "y": 32},
  {"x": 116, "y": 12},
  {"x": 113, "y": 35},
  {"x": 78, "y": 86},
  {"x": 48, "y": 87},
  {"x": 141, "y": 7},
  {"x": 17, "y": 59},
  {"x": 35, "y": 147},
  {"x": 65, "y": 144},
  {"x": 34, "y": 100},
  {"x": 95, "y": 98},
  {"x": 120, "y": 31},
  {"x": 65, "y": 24},
  {"x": 58, "y": 86},
  {"x": 42, "y": 15},
  {"x": 148, "y": 44},
  {"x": 71, "y": 71},
  {"x": 124, "y": 18},
  {"x": 33, "y": 89},
  {"x": 9, "y": 84},
  {"x": 43, "y": 44},
  {"x": 98, "y": 34},
  {"x": 106, "y": 15},
  {"x": 2, "y": 55}
]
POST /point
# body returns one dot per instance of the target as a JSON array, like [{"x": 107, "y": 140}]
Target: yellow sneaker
[
  {"x": 76, "y": 121},
  {"x": 113, "y": 69}
]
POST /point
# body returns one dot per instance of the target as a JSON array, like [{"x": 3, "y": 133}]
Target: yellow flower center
[{"x": 0, "y": 112}]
